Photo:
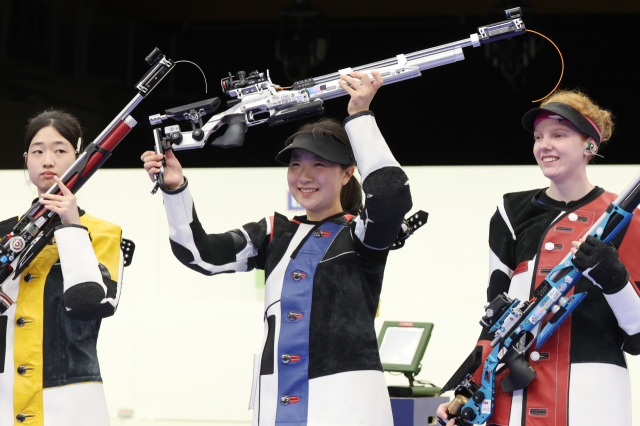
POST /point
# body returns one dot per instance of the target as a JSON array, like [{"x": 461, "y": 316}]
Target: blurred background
[
  {"x": 180, "y": 348},
  {"x": 86, "y": 56}
]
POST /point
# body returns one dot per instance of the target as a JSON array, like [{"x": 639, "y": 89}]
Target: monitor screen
[{"x": 399, "y": 345}]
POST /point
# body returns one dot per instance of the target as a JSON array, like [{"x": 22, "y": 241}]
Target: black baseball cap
[
  {"x": 566, "y": 112},
  {"x": 324, "y": 146}
]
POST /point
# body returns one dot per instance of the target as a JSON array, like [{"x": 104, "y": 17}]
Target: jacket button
[
  {"x": 549, "y": 246},
  {"x": 286, "y": 400},
  {"x": 21, "y": 418},
  {"x": 573, "y": 217},
  {"x": 286, "y": 358},
  {"x": 294, "y": 316},
  {"x": 21, "y": 370},
  {"x": 20, "y": 322},
  {"x": 28, "y": 277},
  {"x": 297, "y": 275},
  {"x": 317, "y": 233},
  {"x": 535, "y": 356}
]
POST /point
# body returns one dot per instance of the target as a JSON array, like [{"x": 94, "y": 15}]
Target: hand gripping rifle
[
  {"x": 31, "y": 233},
  {"x": 257, "y": 100},
  {"x": 513, "y": 322}
]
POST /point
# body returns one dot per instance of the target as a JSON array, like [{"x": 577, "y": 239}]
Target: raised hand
[
  {"x": 361, "y": 93},
  {"x": 173, "y": 177}
]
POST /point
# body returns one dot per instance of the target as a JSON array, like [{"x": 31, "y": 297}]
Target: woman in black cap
[
  {"x": 320, "y": 362},
  {"x": 54, "y": 308},
  {"x": 582, "y": 376}
]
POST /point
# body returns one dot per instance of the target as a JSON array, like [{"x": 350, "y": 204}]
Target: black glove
[{"x": 600, "y": 263}]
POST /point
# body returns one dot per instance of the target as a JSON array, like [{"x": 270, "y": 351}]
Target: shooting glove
[{"x": 600, "y": 263}]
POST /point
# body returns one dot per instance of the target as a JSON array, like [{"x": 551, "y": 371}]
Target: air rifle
[
  {"x": 256, "y": 100},
  {"x": 516, "y": 324},
  {"x": 31, "y": 233}
]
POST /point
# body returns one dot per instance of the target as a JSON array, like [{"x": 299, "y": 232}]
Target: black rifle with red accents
[{"x": 32, "y": 232}]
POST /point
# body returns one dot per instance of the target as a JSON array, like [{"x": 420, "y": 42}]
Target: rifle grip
[
  {"x": 234, "y": 136},
  {"x": 521, "y": 374}
]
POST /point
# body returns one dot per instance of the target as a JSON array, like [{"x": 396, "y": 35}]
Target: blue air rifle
[
  {"x": 516, "y": 324},
  {"x": 256, "y": 100},
  {"x": 31, "y": 233}
]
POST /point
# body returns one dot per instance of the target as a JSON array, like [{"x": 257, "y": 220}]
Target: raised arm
[
  {"x": 238, "y": 250},
  {"x": 386, "y": 186}
]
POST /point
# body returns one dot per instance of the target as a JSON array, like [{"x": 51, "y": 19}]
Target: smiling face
[
  {"x": 315, "y": 183},
  {"x": 560, "y": 150},
  {"x": 49, "y": 155}
]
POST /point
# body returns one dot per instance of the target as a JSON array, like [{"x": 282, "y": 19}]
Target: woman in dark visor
[
  {"x": 582, "y": 376},
  {"x": 319, "y": 364}
]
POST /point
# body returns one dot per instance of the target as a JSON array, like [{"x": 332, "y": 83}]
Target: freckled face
[
  {"x": 49, "y": 155},
  {"x": 559, "y": 149},
  {"x": 315, "y": 183}
]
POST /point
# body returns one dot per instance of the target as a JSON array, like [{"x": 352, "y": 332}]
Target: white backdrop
[{"x": 181, "y": 344}]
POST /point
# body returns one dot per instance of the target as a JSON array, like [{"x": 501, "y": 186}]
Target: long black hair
[{"x": 351, "y": 193}]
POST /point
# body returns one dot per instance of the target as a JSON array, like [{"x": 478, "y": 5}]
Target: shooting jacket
[
  {"x": 319, "y": 362},
  {"x": 582, "y": 376},
  {"x": 51, "y": 373}
]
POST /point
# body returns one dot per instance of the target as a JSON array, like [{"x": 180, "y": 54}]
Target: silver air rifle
[{"x": 256, "y": 100}]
